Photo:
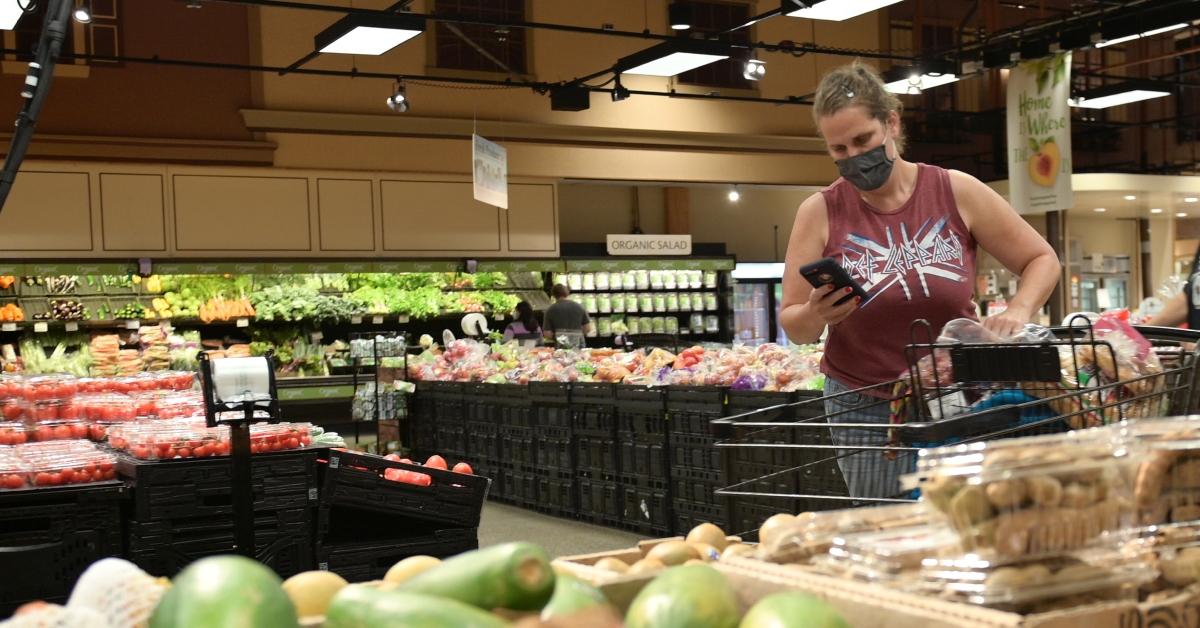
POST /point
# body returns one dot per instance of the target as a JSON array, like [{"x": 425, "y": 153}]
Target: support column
[
  {"x": 1145, "y": 263},
  {"x": 1056, "y": 234},
  {"x": 678, "y": 211}
]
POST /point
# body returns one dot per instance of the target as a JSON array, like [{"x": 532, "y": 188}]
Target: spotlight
[
  {"x": 398, "y": 101},
  {"x": 754, "y": 70},
  {"x": 619, "y": 92},
  {"x": 680, "y": 15},
  {"x": 734, "y": 195},
  {"x": 82, "y": 14}
]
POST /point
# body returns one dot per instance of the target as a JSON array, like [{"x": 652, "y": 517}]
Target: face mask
[{"x": 868, "y": 171}]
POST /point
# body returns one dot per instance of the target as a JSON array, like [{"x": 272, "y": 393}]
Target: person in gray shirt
[{"x": 566, "y": 321}]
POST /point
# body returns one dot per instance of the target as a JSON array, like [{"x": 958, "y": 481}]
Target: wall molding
[{"x": 159, "y": 150}]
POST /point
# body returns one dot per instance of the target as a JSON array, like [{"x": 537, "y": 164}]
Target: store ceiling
[{"x": 1117, "y": 205}]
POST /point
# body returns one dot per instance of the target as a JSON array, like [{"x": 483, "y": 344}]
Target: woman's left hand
[{"x": 1007, "y": 323}]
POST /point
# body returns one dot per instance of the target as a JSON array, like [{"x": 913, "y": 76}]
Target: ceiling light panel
[
  {"x": 917, "y": 84},
  {"x": 836, "y": 10},
  {"x": 1115, "y": 100},
  {"x": 360, "y": 34},
  {"x": 10, "y": 13},
  {"x": 675, "y": 63}
]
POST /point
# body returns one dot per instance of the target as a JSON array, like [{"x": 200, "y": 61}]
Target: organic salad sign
[
  {"x": 489, "y": 164},
  {"x": 1039, "y": 134}
]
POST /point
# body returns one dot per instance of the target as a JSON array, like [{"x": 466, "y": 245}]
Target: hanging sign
[
  {"x": 1039, "y": 134},
  {"x": 490, "y": 172},
  {"x": 642, "y": 244}
]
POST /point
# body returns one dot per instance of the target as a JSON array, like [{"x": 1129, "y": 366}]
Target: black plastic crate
[
  {"x": 526, "y": 488},
  {"x": 699, "y": 452},
  {"x": 646, "y": 510},
  {"x": 556, "y": 494},
  {"x": 641, "y": 398},
  {"x": 283, "y": 541},
  {"x": 688, "y": 514},
  {"x": 451, "y": 437},
  {"x": 553, "y": 454},
  {"x": 596, "y": 454},
  {"x": 356, "y": 480},
  {"x": 482, "y": 440},
  {"x": 643, "y": 460},
  {"x": 691, "y": 409},
  {"x": 697, "y": 485},
  {"x": 645, "y": 426},
  {"x": 501, "y": 488},
  {"x": 599, "y": 501},
  {"x": 551, "y": 416},
  {"x": 198, "y": 487},
  {"x": 362, "y": 562},
  {"x": 591, "y": 394},
  {"x": 544, "y": 393},
  {"x": 50, "y": 535},
  {"x": 596, "y": 421},
  {"x": 747, "y": 514}
]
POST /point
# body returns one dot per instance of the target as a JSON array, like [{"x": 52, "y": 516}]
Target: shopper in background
[
  {"x": 566, "y": 321},
  {"x": 526, "y": 329},
  {"x": 1185, "y": 306},
  {"x": 906, "y": 232}
]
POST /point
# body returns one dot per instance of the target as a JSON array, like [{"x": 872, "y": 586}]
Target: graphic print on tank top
[{"x": 933, "y": 251}]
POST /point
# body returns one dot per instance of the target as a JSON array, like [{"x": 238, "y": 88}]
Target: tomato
[
  {"x": 11, "y": 411},
  {"x": 42, "y": 479},
  {"x": 463, "y": 467},
  {"x": 184, "y": 452},
  {"x": 111, "y": 474},
  {"x": 83, "y": 477},
  {"x": 45, "y": 412},
  {"x": 13, "y": 481},
  {"x": 63, "y": 432},
  {"x": 146, "y": 407},
  {"x": 79, "y": 430},
  {"x": 437, "y": 462},
  {"x": 406, "y": 461},
  {"x": 305, "y": 440},
  {"x": 202, "y": 451},
  {"x": 69, "y": 475},
  {"x": 19, "y": 438},
  {"x": 141, "y": 452},
  {"x": 43, "y": 433},
  {"x": 105, "y": 467},
  {"x": 221, "y": 448},
  {"x": 292, "y": 443},
  {"x": 392, "y": 457},
  {"x": 165, "y": 452}
]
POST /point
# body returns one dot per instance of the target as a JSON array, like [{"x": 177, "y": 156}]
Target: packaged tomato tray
[
  {"x": 57, "y": 463},
  {"x": 106, "y": 407},
  {"x": 169, "y": 404},
  {"x": 160, "y": 440},
  {"x": 59, "y": 430},
  {"x": 43, "y": 388},
  {"x": 13, "y": 433}
]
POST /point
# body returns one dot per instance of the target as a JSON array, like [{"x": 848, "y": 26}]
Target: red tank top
[{"x": 915, "y": 263}]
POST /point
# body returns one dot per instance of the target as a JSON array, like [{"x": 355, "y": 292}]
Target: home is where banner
[{"x": 1039, "y": 134}]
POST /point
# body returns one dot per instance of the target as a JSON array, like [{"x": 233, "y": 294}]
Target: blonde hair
[{"x": 857, "y": 84}]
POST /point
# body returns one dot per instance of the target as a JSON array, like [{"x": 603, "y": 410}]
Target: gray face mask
[{"x": 868, "y": 171}]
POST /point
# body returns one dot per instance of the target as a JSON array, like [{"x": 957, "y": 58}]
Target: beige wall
[{"x": 591, "y": 211}]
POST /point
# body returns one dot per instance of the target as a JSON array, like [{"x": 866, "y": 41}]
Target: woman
[
  {"x": 526, "y": 327},
  {"x": 1185, "y": 306},
  {"x": 907, "y": 233}
]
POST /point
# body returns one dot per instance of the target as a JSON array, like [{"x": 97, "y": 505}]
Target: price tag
[
  {"x": 243, "y": 322},
  {"x": 356, "y": 320},
  {"x": 8, "y": 327},
  {"x": 316, "y": 336},
  {"x": 133, "y": 324},
  {"x": 402, "y": 319},
  {"x": 376, "y": 320},
  {"x": 72, "y": 326},
  {"x": 40, "y": 328}
]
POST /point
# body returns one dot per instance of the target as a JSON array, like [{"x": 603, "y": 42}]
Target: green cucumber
[
  {"x": 515, "y": 576},
  {"x": 792, "y": 610},
  {"x": 367, "y": 607},
  {"x": 572, "y": 595},
  {"x": 691, "y": 596}
]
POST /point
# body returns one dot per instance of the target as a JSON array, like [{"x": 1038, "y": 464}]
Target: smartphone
[{"x": 827, "y": 271}]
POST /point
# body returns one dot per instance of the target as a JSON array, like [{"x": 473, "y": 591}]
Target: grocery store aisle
[{"x": 559, "y": 537}]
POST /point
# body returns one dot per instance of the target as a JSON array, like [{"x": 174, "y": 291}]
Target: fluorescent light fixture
[
  {"x": 1100, "y": 210},
  {"x": 1149, "y": 33},
  {"x": 1117, "y": 94},
  {"x": 1156, "y": 210},
  {"x": 1190, "y": 199},
  {"x": 1181, "y": 215},
  {"x": 364, "y": 34},
  {"x": 673, "y": 57},
  {"x": 833, "y": 10},
  {"x": 10, "y": 12},
  {"x": 1130, "y": 197}
]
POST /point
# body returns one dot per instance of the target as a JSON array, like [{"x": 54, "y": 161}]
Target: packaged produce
[
  {"x": 660, "y": 303},
  {"x": 14, "y": 472},
  {"x": 672, "y": 325},
  {"x": 48, "y": 388},
  {"x": 685, "y": 301},
  {"x": 696, "y": 323},
  {"x": 618, "y": 304},
  {"x": 601, "y": 281},
  {"x": 712, "y": 324},
  {"x": 575, "y": 281},
  {"x": 42, "y": 411},
  {"x": 59, "y": 430},
  {"x": 165, "y": 440},
  {"x": 668, "y": 280},
  {"x": 682, "y": 279},
  {"x": 560, "y": 279},
  {"x": 632, "y": 301},
  {"x": 616, "y": 281},
  {"x": 632, "y": 324},
  {"x": 646, "y": 302},
  {"x": 659, "y": 325},
  {"x": 589, "y": 303},
  {"x": 891, "y": 556},
  {"x": 710, "y": 279},
  {"x": 1039, "y": 585},
  {"x": 604, "y": 303},
  {"x": 656, "y": 280},
  {"x": 109, "y": 407},
  {"x": 803, "y": 537},
  {"x": 12, "y": 409},
  {"x": 642, "y": 280},
  {"x": 589, "y": 281},
  {"x": 55, "y": 463},
  {"x": 13, "y": 433},
  {"x": 605, "y": 326},
  {"x": 710, "y": 301},
  {"x": 1022, "y": 498}
]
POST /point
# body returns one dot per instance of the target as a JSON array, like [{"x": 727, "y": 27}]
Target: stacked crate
[
  {"x": 50, "y": 535},
  {"x": 550, "y": 417},
  {"x": 641, "y": 440},
  {"x": 481, "y": 437},
  {"x": 367, "y": 523},
  {"x": 182, "y": 510},
  {"x": 516, "y": 454},
  {"x": 594, "y": 444},
  {"x": 696, "y": 471}
]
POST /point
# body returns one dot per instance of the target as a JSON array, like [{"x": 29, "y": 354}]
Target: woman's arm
[
  {"x": 805, "y": 312},
  {"x": 509, "y": 333},
  {"x": 1174, "y": 312},
  {"x": 998, "y": 228}
]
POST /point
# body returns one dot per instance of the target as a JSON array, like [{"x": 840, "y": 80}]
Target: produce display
[
  {"x": 190, "y": 438},
  {"x": 766, "y": 367},
  {"x": 56, "y": 463}
]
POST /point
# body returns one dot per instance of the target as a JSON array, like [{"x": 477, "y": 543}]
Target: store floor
[{"x": 559, "y": 537}]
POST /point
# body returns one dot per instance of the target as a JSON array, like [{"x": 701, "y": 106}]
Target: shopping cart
[{"x": 838, "y": 451}]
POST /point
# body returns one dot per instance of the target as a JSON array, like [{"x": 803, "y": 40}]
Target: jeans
[{"x": 868, "y": 473}]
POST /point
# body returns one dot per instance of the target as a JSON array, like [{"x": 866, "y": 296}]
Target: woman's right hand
[{"x": 822, "y": 303}]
